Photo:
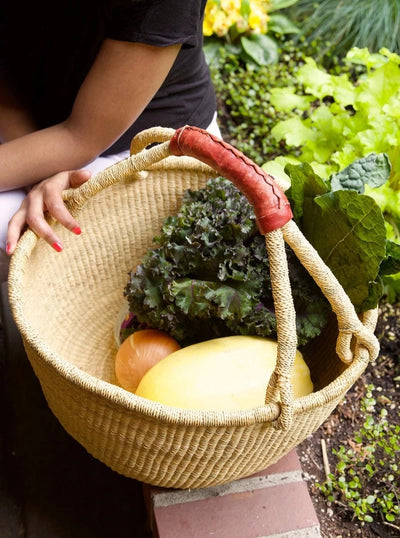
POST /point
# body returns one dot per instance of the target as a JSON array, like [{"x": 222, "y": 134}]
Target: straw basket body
[{"x": 65, "y": 306}]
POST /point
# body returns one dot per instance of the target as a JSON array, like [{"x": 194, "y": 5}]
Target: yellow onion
[{"x": 138, "y": 353}]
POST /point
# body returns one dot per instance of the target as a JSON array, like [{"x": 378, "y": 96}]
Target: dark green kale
[{"x": 208, "y": 275}]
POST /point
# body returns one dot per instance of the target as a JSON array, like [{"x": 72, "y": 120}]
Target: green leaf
[
  {"x": 321, "y": 84},
  {"x": 205, "y": 299},
  {"x": 212, "y": 50},
  {"x": 208, "y": 275},
  {"x": 286, "y": 100},
  {"x": 293, "y": 131},
  {"x": 363, "y": 56},
  {"x": 373, "y": 170},
  {"x": 348, "y": 231},
  {"x": 260, "y": 48},
  {"x": 391, "y": 264},
  {"x": 305, "y": 185},
  {"x": 280, "y": 24}
]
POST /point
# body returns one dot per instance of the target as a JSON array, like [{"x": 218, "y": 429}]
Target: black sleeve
[{"x": 157, "y": 22}]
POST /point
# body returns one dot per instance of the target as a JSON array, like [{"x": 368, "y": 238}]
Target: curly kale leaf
[{"x": 208, "y": 275}]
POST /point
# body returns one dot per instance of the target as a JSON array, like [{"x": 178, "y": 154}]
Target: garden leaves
[{"x": 345, "y": 226}]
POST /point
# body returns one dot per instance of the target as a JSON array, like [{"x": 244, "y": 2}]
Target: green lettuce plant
[{"x": 334, "y": 120}]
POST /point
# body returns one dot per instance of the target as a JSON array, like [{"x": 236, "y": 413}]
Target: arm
[{"x": 121, "y": 82}]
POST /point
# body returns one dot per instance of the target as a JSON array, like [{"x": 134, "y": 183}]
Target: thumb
[{"x": 78, "y": 177}]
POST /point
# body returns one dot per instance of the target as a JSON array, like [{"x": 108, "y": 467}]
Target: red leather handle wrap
[{"x": 271, "y": 207}]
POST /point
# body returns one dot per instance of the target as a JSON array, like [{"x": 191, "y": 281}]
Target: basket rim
[{"x": 113, "y": 394}]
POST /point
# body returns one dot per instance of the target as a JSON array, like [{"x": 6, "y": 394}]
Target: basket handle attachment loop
[
  {"x": 349, "y": 324},
  {"x": 272, "y": 210}
]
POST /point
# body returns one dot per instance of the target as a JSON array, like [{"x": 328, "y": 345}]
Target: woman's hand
[{"x": 46, "y": 196}]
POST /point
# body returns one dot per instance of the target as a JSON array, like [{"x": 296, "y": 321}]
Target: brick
[
  {"x": 271, "y": 503},
  {"x": 248, "y": 514}
]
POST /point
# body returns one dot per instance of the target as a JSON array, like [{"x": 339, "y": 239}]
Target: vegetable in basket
[
  {"x": 218, "y": 375},
  {"x": 208, "y": 276},
  {"x": 138, "y": 353}
]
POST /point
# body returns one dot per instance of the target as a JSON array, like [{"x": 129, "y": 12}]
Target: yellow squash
[{"x": 228, "y": 373}]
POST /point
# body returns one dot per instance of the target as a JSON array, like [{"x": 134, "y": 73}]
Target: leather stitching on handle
[{"x": 271, "y": 207}]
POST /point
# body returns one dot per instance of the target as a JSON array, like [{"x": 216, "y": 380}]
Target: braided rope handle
[{"x": 274, "y": 219}]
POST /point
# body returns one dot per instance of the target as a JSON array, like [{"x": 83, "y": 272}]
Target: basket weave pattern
[{"x": 65, "y": 306}]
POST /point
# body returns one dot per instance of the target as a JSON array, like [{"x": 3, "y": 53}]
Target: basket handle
[
  {"x": 274, "y": 218},
  {"x": 271, "y": 207}
]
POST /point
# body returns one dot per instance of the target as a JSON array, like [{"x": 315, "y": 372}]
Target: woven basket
[{"x": 65, "y": 306}]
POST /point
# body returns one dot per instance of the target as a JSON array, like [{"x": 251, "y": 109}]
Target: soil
[{"x": 335, "y": 520}]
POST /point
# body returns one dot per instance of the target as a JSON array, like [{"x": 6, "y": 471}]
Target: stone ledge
[{"x": 273, "y": 503}]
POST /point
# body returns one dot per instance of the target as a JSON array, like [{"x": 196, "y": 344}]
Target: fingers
[
  {"x": 31, "y": 213},
  {"x": 79, "y": 177},
  {"x": 46, "y": 197},
  {"x": 16, "y": 226}
]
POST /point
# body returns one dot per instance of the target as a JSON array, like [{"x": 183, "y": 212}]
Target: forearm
[
  {"x": 38, "y": 155},
  {"x": 120, "y": 84}
]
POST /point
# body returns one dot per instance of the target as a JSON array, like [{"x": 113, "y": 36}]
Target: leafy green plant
[
  {"x": 334, "y": 120},
  {"x": 366, "y": 479},
  {"x": 208, "y": 275},
  {"x": 346, "y": 227},
  {"x": 344, "y": 25},
  {"x": 243, "y": 28},
  {"x": 244, "y": 94}
]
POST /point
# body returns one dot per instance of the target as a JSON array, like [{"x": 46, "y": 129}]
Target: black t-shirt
[{"x": 46, "y": 50}]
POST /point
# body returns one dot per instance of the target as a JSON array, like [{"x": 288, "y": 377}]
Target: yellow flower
[{"x": 221, "y": 15}]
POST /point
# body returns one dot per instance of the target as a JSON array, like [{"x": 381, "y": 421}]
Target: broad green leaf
[
  {"x": 305, "y": 185},
  {"x": 286, "y": 100},
  {"x": 348, "y": 231},
  {"x": 379, "y": 86},
  {"x": 373, "y": 170},
  {"x": 199, "y": 298},
  {"x": 375, "y": 292},
  {"x": 212, "y": 48},
  {"x": 364, "y": 57},
  {"x": 280, "y": 24},
  {"x": 321, "y": 84},
  {"x": 313, "y": 78},
  {"x": 293, "y": 131},
  {"x": 328, "y": 136},
  {"x": 260, "y": 48}
]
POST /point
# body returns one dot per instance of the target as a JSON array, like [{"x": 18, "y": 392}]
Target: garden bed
[{"x": 339, "y": 430}]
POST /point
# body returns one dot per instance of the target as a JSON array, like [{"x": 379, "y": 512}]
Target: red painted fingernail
[
  {"x": 77, "y": 230},
  {"x": 56, "y": 245},
  {"x": 8, "y": 248}
]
